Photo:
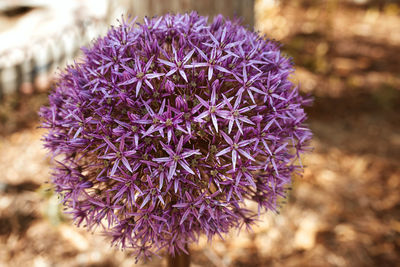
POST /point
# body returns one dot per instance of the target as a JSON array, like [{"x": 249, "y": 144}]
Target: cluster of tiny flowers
[{"x": 166, "y": 129}]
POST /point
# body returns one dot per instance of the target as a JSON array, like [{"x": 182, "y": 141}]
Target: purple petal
[
  {"x": 180, "y": 205},
  {"x": 111, "y": 145},
  {"x": 138, "y": 86},
  {"x": 130, "y": 81},
  {"x": 114, "y": 168},
  {"x": 154, "y": 75},
  {"x": 182, "y": 73},
  {"x": 203, "y": 102},
  {"x": 214, "y": 120},
  {"x": 217, "y": 67},
  {"x": 210, "y": 72},
  {"x": 227, "y": 138},
  {"x": 230, "y": 126},
  {"x": 145, "y": 201},
  {"x": 202, "y": 115},
  {"x": 196, "y": 65},
  {"x": 165, "y": 159},
  {"x": 172, "y": 170},
  {"x": 190, "y": 153},
  {"x": 170, "y": 64},
  {"x": 188, "y": 56},
  {"x": 180, "y": 144},
  {"x": 170, "y": 72},
  {"x": 186, "y": 167},
  {"x": 213, "y": 96},
  {"x": 281, "y": 147},
  {"x": 257, "y": 90},
  {"x": 234, "y": 159},
  {"x": 126, "y": 164},
  {"x": 247, "y": 155},
  {"x": 149, "y": 84},
  {"x": 223, "y": 152},
  {"x": 184, "y": 216},
  {"x": 251, "y": 181},
  {"x": 202, "y": 54}
]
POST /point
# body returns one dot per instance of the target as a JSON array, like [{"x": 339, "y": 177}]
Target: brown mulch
[{"x": 345, "y": 211}]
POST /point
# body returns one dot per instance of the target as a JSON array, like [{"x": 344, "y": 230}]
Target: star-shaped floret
[
  {"x": 140, "y": 74},
  {"x": 235, "y": 114},
  {"x": 178, "y": 64},
  {"x": 177, "y": 157},
  {"x": 247, "y": 84},
  {"x": 118, "y": 154},
  {"x": 213, "y": 109},
  {"x": 235, "y": 146},
  {"x": 213, "y": 61}
]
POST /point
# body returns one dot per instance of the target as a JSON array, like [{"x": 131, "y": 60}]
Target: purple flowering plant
[{"x": 166, "y": 128}]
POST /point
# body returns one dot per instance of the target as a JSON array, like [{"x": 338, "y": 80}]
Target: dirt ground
[{"x": 344, "y": 211}]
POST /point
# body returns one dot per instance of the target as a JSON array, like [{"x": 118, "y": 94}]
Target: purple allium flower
[{"x": 165, "y": 129}]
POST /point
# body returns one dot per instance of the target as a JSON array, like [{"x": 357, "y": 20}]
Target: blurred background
[{"x": 344, "y": 211}]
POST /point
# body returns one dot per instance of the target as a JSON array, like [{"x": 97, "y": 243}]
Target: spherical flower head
[{"x": 166, "y": 129}]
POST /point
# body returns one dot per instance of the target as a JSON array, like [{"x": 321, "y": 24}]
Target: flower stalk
[{"x": 180, "y": 260}]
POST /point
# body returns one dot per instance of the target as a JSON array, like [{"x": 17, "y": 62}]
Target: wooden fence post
[{"x": 228, "y": 8}]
